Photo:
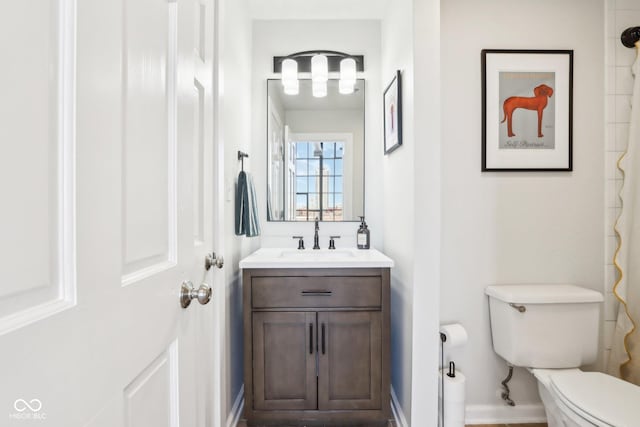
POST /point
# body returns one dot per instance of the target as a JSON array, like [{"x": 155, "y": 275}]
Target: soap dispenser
[{"x": 363, "y": 237}]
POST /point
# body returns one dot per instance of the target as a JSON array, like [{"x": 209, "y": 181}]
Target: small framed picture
[
  {"x": 527, "y": 108},
  {"x": 393, "y": 114}
]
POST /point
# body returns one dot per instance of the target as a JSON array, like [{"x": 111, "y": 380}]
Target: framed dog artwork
[
  {"x": 527, "y": 98},
  {"x": 393, "y": 114}
]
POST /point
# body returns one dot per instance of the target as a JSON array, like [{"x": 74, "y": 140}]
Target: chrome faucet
[{"x": 316, "y": 239}]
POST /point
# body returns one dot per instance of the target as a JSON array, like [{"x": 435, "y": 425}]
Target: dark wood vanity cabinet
[
  {"x": 316, "y": 345},
  {"x": 284, "y": 361},
  {"x": 350, "y": 363}
]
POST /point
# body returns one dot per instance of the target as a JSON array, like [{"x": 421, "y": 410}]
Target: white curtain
[{"x": 624, "y": 360}]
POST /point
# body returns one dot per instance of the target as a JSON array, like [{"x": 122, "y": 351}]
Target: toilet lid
[{"x": 599, "y": 398}]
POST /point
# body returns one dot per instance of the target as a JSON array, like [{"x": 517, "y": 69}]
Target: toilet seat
[{"x": 601, "y": 399}]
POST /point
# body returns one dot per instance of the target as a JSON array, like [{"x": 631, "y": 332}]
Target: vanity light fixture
[
  {"x": 346, "y": 87},
  {"x": 319, "y": 75},
  {"x": 319, "y": 68},
  {"x": 319, "y": 89},
  {"x": 347, "y": 76},
  {"x": 290, "y": 77},
  {"x": 292, "y": 88},
  {"x": 319, "y": 63}
]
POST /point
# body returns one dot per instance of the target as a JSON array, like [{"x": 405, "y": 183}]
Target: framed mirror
[{"x": 315, "y": 153}]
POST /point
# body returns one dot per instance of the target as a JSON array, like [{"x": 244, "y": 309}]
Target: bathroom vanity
[{"x": 316, "y": 337}]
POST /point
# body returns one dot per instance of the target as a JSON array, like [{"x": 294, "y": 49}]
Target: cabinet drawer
[{"x": 301, "y": 292}]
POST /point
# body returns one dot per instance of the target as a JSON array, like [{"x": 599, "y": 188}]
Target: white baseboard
[
  {"x": 238, "y": 406},
  {"x": 396, "y": 409},
  {"x": 236, "y": 409},
  {"x": 502, "y": 414},
  {"x": 474, "y": 414}
]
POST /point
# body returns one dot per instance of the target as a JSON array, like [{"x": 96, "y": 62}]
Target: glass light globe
[{"x": 319, "y": 68}]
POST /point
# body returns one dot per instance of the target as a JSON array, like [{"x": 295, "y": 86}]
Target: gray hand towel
[{"x": 246, "y": 207}]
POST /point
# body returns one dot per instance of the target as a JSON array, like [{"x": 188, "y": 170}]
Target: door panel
[
  {"x": 36, "y": 175},
  {"x": 284, "y": 360},
  {"x": 99, "y": 118},
  {"x": 199, "y": 163},
  {"x": 149, "y": 137},
  {"x": 350, "y": 360},
  {"x": 151, "y": 398},
  {"x": 206, "y": 231}
]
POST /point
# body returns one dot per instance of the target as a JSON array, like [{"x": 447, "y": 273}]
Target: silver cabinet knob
[
  {"x": 188, "y": 292},
  {"x": 212, "y": 259}
]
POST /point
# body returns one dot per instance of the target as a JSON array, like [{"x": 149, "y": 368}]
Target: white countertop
[{"x": 320, "y": 258}]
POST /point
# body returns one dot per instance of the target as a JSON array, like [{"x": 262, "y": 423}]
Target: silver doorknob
[
  {"x": 212, "y": 259},
  {"x": 188, "y": 292}
]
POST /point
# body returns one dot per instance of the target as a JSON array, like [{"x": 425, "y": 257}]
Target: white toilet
[{"x": 553, "y": 330}]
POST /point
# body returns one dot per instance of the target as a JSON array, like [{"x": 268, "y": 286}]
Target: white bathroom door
[{"x": 106, "y": 177}]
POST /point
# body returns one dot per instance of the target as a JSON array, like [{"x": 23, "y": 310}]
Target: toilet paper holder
[
  {"x": 452, "y": 370},
  {"x": 455, "y": 335}
]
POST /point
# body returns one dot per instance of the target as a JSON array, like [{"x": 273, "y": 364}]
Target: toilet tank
[{"x": 545, "y": 326}]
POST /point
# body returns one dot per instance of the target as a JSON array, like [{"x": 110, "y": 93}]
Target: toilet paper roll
[
  {"x": 452, "y": 399},
  {"x": 455, "y": 335}
]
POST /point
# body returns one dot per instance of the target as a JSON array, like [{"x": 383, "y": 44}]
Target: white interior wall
[
  {"x": 427, "y": 221},
  {"x": 282, "y": 37},
  {"x": 234, "y": 112},
  {"x": 412, "y": 185},
  {"x": 507, "y": 227},
  {"x": 398, "y": 170}
]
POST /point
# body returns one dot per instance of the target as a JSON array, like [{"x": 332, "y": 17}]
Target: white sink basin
[
  {"x": 321, "y": 258},
  {"x": 317, "y": 254}
]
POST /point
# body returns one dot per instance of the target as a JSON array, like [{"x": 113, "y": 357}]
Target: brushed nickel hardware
[
  {"x": 316, "y": 293},
  {"x": 212, "y": 259},
  {"x": 300, "y": 241},
  {"x": 332, "y": 242},
  {"x": 520, "y": 308},
  {"x": 188, "y": 293}
]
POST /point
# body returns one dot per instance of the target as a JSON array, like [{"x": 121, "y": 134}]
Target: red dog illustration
[{"x": 536, "y": 103}]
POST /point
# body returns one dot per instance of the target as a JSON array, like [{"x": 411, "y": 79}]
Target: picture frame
[
  {"x": 527, "y": 110},
  {"x": 392, "y": 113}
]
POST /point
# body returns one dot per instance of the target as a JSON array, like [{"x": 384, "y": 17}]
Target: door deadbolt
[{"x": 212, "y": 259}]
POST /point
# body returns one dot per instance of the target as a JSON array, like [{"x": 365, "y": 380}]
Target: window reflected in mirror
[{"x": 319, "y": 190}]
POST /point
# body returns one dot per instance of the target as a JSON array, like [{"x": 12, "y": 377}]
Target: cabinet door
[
  {"x": 284, "y": 360},
  {"x": 350, "y": 355}
]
